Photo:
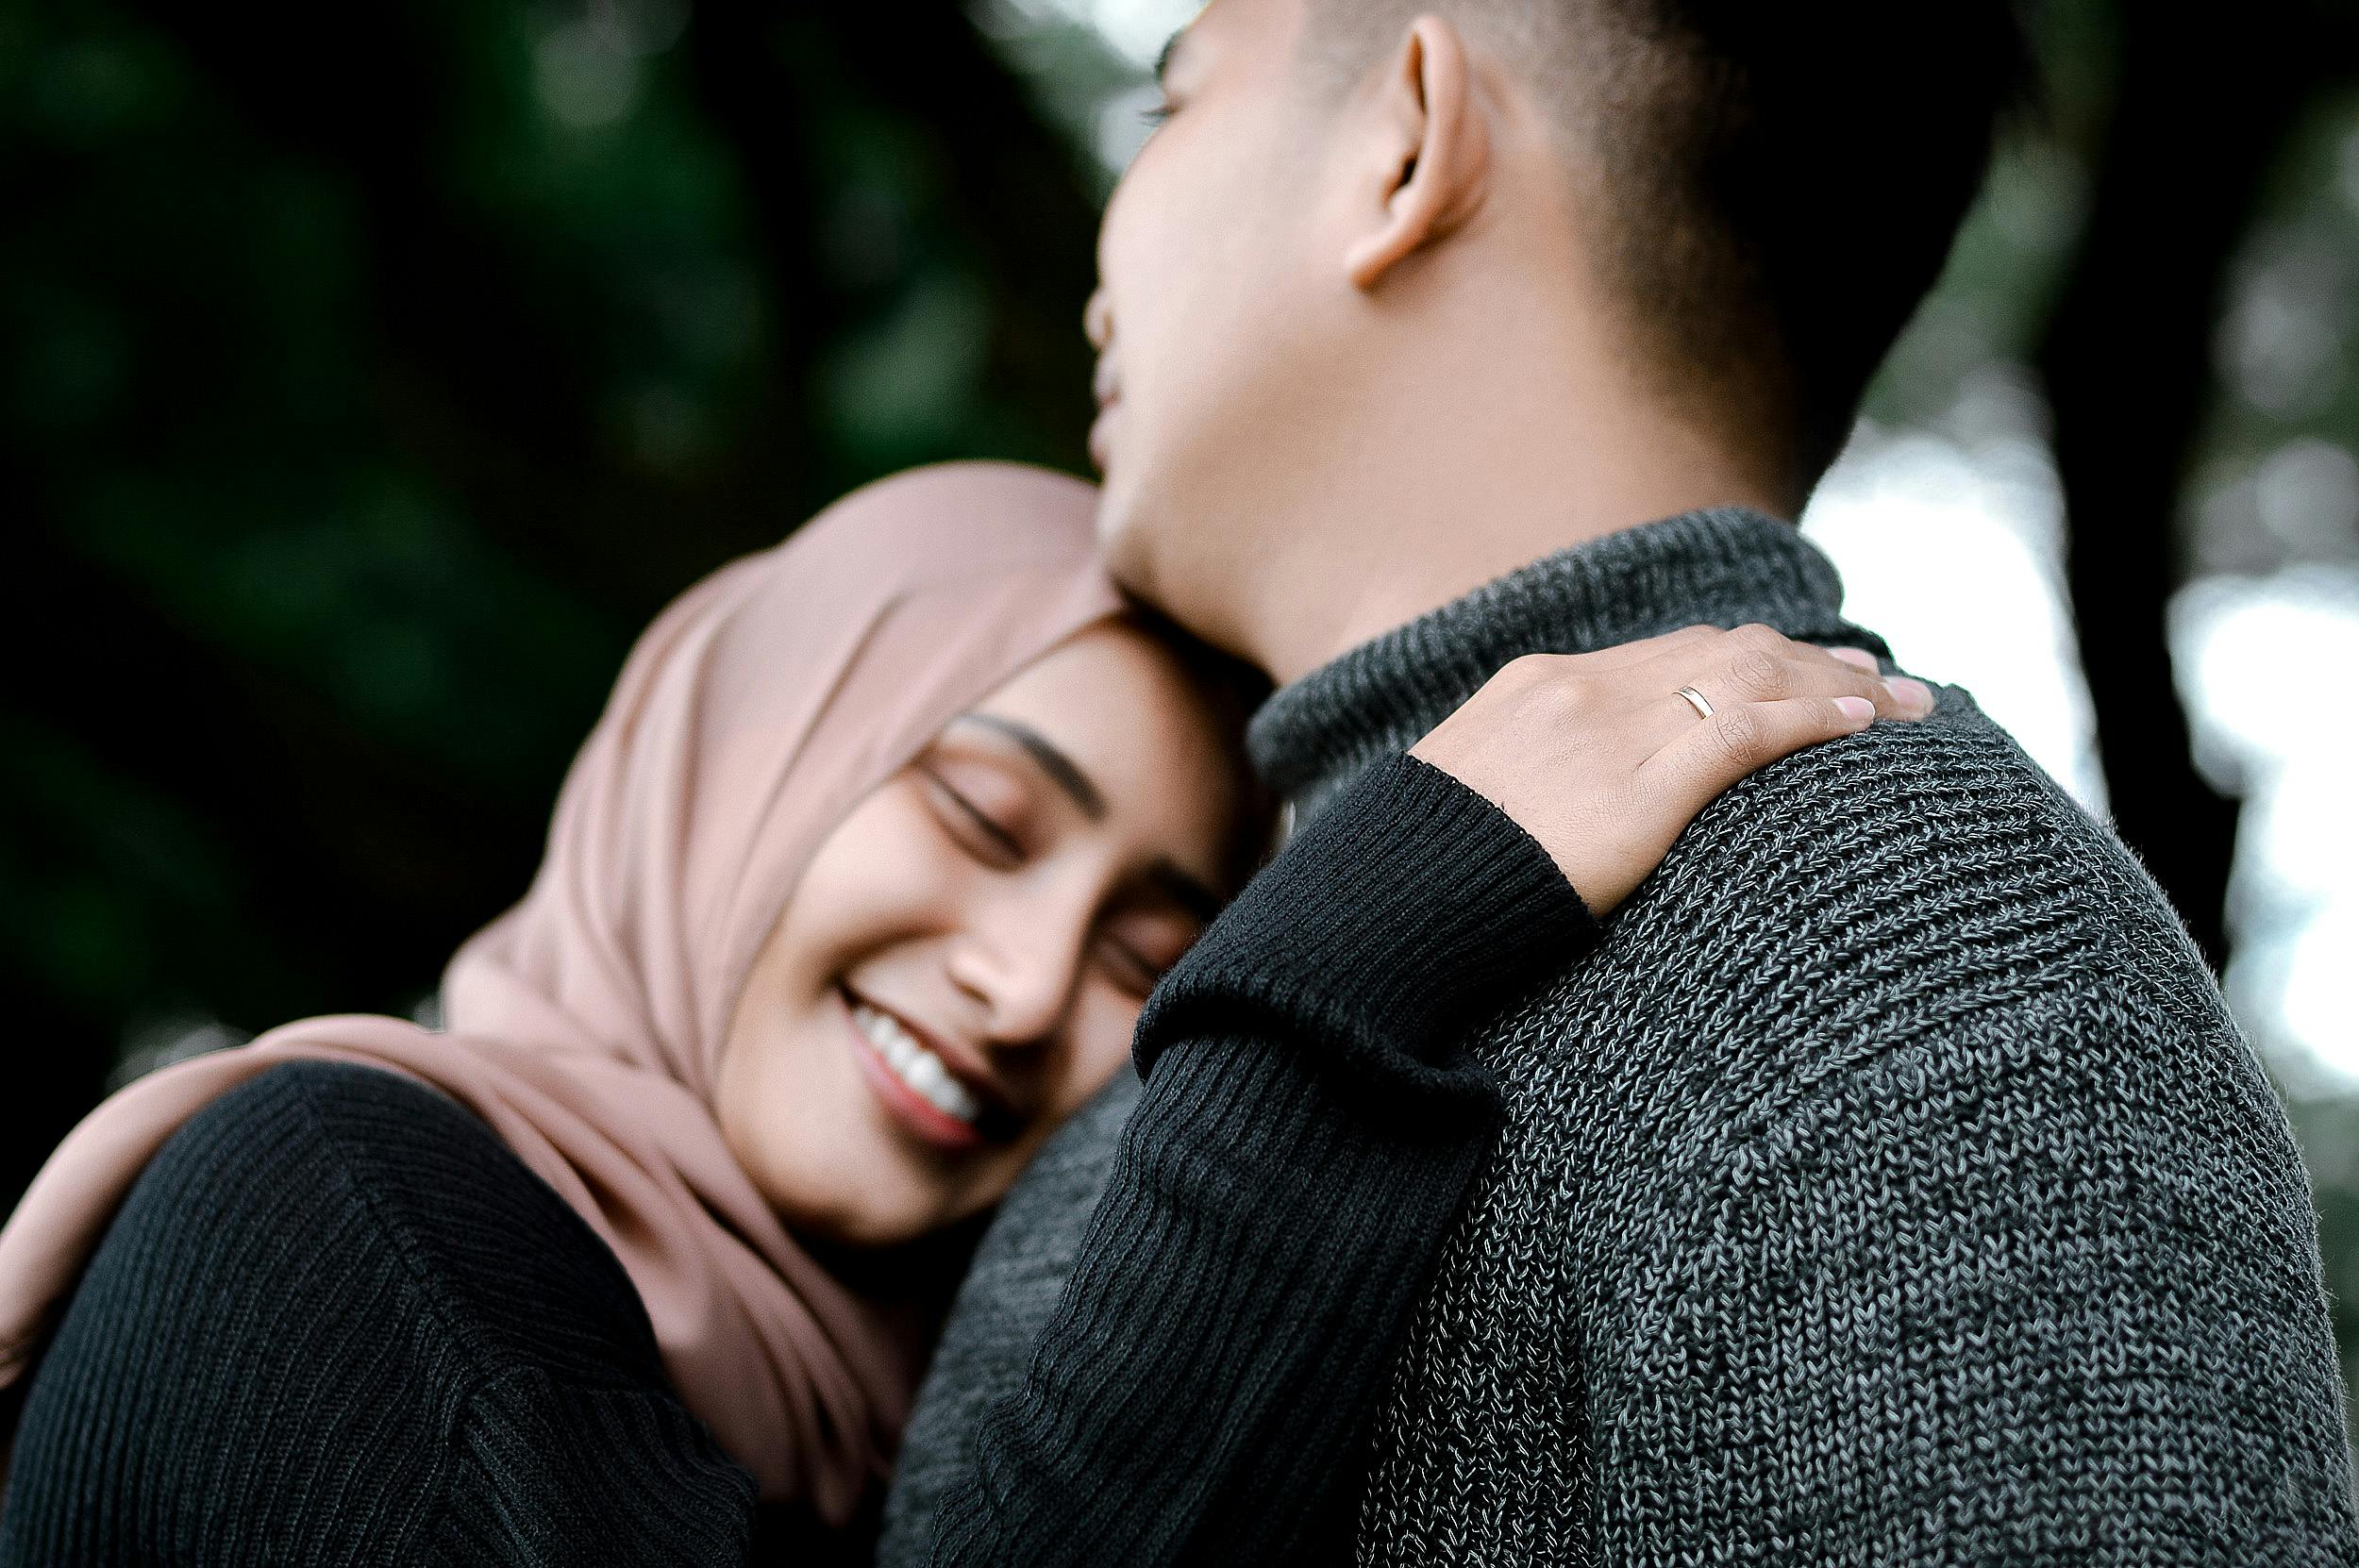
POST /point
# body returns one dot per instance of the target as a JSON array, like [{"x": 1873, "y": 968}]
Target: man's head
[{"x": 1391, "y": 251}]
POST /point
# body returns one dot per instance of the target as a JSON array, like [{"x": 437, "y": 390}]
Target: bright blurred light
[
  {"x": 2301, "y": 501},
  {"x": 2262, "y": 662},
  {"x": 1135, "y": 30},
  {"x": 1950, "y": 545}
]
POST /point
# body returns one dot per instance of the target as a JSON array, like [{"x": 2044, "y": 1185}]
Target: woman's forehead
[{"x": 1113, "y": 722}]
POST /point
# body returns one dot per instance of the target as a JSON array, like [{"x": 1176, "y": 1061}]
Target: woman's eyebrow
[
  {"x": 1061, "y": 770},
  {"x": 1194, "y": 895}
]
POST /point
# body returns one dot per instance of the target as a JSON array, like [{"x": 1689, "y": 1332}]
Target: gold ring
[{"x": 1696, "y": 700}]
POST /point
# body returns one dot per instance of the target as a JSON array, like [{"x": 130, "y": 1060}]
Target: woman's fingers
[
  {"x": 1693, "y": 638},
  {"x": 1743, "y": 738},
  {"x": 1756, "y": 664},
  {"x": 1767, "y": 696},
  {"x": 1603, "y": 759}
]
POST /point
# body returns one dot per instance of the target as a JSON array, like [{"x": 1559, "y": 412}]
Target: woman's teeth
[{"x": 915, "y": 1065}]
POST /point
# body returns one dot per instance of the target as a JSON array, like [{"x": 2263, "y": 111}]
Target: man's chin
[{"x": 1123, "y": 530}]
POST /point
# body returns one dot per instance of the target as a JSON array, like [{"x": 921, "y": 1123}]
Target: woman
[{"x": 854, "y": 894}]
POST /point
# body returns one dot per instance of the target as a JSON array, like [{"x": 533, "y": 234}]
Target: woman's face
[{"x": 961, "y": 966}]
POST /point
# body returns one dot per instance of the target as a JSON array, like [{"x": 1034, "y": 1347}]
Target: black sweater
[{"x": 338, "y": 1322}]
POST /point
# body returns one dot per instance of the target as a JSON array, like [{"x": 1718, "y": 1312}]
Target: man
[{"x": 1890, "y": 1185}]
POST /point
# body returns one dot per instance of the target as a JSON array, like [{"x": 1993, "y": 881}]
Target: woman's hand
[{"x": 1602, "y": 758}]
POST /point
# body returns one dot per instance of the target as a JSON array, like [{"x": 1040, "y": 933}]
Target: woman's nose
[
  {"x": 1023, "y": 972},
  {"x": 1097, "y": 319}
]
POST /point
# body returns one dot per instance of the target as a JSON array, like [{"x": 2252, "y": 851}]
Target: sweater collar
[{"x": 1722, "y": 566}]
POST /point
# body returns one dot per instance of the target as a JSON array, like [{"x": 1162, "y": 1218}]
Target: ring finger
[{"x": 1700, "y": 683}]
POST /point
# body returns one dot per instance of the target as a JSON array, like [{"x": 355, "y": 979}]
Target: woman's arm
[{"x": 1307, "y": 1133}]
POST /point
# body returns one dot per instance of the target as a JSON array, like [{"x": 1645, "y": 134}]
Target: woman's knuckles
[
  {"x": 1741, "y": 738},
  {"x": 1758, "y": 675}
]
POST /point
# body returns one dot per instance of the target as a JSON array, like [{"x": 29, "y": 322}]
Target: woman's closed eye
[
  {"x": 1131, "y": 973},
  {"x": 1141, "y": 943},
  {"x": 983, "y": 834}
]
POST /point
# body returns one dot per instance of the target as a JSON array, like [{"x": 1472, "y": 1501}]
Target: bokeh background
[{"x": 370, "y": 373}]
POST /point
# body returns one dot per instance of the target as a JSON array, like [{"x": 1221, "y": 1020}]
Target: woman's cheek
[{"x": 1101, "y": 1044}]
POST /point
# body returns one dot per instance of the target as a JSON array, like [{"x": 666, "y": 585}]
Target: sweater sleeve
[
  {"x": 338, "y": 1321},
  {"x": 1310, "y": 1122},
  {"x": 548, "y": 1469}
]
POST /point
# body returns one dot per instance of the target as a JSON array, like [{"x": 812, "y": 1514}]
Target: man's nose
[{"x": 1097, "y": 319}]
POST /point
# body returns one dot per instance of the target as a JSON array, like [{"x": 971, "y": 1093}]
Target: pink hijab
[{"x": 585, "y": 1024}]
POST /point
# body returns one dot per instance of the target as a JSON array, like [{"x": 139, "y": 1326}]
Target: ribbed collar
[{"x": 1722, "y": 566}]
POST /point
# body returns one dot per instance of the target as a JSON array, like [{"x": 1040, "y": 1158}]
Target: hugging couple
[{"x": 1679, "y": 1092}]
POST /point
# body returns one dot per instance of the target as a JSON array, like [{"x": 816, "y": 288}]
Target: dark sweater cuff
[{"x": 1410, "y": 910}]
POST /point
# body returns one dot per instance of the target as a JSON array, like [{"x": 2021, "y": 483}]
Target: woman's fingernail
[
  {"x": 1858, "y": 709},
  {"x": 1859, "y": 658},
  {"x": 1914, "y": 694}
]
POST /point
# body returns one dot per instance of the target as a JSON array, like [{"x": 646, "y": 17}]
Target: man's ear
[{"x": 1436, "y": 150}]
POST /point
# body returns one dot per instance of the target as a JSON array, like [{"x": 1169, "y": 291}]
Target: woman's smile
[
  {"x": 966, "y": 954},
  {"x": 945, "y": 1106}
]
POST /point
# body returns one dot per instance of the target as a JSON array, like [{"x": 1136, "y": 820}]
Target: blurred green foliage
[{"x": 371, "y": 377}]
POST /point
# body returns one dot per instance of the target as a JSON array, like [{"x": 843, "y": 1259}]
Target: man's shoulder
[
  {"x": 1943, "y": 787},
  {"x": 1902, "y": 966},
  {"x": 1918, "y": 904},
  {"x": 1920, "y": 841}
]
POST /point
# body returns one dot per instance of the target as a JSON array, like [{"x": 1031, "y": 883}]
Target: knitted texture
[
  {"x": 1308, "y": 1122},
  {"x": 1003, "y": 1306},
  {"x": 1889, "y": 1186},
  {"x": 338, "y": 1322}
]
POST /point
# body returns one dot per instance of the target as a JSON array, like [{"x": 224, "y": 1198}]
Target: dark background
[{"x": 370, "y": 375}]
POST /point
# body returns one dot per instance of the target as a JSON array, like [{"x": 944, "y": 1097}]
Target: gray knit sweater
[{"x": 1888, "y": 1187}]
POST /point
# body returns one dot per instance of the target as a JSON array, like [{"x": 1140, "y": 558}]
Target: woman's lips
[{"x": 912, "y": 1109}]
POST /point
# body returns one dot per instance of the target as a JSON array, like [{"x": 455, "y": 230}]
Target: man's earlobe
[{"x": 1438, "y": 155}]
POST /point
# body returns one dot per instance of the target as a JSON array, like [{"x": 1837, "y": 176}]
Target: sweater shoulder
[
  {"x": 1914, "y": 910},
  {"x": 326, "y": 1283},
  {"x": 512, "y": 1280},
  {"x": 1895, "y": 1103},
  {"x": 1937, "y": 848}
]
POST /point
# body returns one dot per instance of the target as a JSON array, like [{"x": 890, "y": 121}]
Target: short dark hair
[{"x": 1783, "y": 182}]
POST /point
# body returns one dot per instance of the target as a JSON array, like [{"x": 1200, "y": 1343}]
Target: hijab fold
[{"x": 586, "y": 1024}]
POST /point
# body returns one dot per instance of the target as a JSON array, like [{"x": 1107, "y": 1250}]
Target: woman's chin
[
  {"x": 826, "y": 1157},
  {"x": 863, "y": 1202}
]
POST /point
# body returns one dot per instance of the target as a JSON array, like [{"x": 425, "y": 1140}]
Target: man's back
[
  {"x": 1889, "y": 1187},
  {"x": 1890, "y": 1181}
]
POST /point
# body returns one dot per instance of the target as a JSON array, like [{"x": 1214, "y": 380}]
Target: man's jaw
[
  {"x": 1106, "y": 388},
  {"x": 1101, "y": 436}
]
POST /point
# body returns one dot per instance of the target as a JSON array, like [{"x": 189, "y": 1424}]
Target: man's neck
[
  {"x": 1487, "y": 455},
  {"x": 1720, "y": 566},
  {"x": 1377, "y": 555}
]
